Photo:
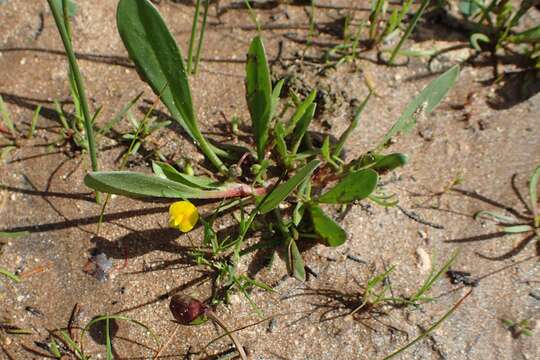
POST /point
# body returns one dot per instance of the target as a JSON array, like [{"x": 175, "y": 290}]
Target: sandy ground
[{"x": 467, "y": 137}]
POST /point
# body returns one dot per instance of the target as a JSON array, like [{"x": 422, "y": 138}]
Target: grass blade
[
  {"x": 343, "y": 138},
  {"x": 516, "y": 229},
  {"x": 57, "y": 7},
  {"x": 201, "y": 36},
  {"x": 120, "y": 115},
  {"x": 302, "y": 127},
  {"x": 430, "y": 329},
  {"x": 9, "y": 274},
  {"x": 6, "y": 117},
  {"x": 409, "y": 30},
  {"x": 283, "y": 190},
  {"x": 15, "y": 234},
  {"x": 192, "y": 36},
  {"x": 33, "y": 124}
]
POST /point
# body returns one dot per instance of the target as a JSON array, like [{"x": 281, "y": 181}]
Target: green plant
[
  {"x": 140, "y": 130},
  {"x": 496, "y": 24},
  {"x": 286, "y": 176},
  {"x": 376, "y": 290},
  {"x": 6, "y": 117},
  {"x": 528, "y": 224},
  {"x": 382, "y": 26},
  {"x": 429, "y": 330},
  {"x": 9, "y": 274},
  {"x": 518, "y": 328},
  {"x": 191, "y": 59},
  {"x": 63, "y": 341},
  {"x": 62, "y": 10}
]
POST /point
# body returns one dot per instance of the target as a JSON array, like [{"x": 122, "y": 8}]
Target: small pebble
[{"x": 424, "y": 260}]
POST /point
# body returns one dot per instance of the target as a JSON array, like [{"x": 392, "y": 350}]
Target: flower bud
[{"x": 187, "y": 310}]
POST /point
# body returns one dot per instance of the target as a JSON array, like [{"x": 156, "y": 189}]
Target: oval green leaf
[
  {"x": 425, "y": 102},
  {"x": 159, "y": 62},
  {"x": 137, "y": 185},
  {"x": 329, "y": 231},
  {"x": 356, "y": 185},
  {"x": 259, "y": 93}
]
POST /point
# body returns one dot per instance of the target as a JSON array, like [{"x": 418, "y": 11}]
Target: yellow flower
[{"x": 183, "y": 215}]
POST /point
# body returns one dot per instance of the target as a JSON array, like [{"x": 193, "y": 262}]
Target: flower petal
[{"x": 183, "y": 215}]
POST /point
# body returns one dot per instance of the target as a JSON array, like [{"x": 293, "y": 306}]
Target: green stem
[
  {"x": 201, "y": 36},
  {"x": 430, "y": 329},
  {"x": 409, "y": 30},
  {"x": 61, "y": 24},
  {"x": 192, "y": 38},
  {"x": 343, "y": 138},
  {"x": 253, "y": 16},
  {"x": 205, "y": 147}
]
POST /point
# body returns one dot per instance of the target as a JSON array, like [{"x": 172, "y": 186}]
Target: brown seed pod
[{"x": 186, "y": 309}]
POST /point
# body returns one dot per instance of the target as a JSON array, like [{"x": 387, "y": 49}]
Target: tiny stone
[{"x": 7, "y": 341}]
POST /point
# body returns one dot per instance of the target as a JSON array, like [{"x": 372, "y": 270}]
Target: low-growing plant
[
  {"x": 64, "y": 343},
  {"x": 284, "y": 177},
  {"x": 495, "y": 25},
  {"x": 527, "y": 224},
  {"x": 381, "y": 27},
  {"x": 62, "y": 10},
  {"x": 518, "y": 328}
]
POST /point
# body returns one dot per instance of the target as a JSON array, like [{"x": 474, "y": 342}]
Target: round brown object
[{"x": 186, "y": 309}]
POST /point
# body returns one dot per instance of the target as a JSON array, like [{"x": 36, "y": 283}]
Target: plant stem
[
  {"x": 230, "y": 334},
  {"x": 409, "y": 30},
  {"x": 62, "y": 25},
  {"x": 430, "y": 329},
  {"x": 192, "y": 38},
  {"x": 201, "y": 36}
]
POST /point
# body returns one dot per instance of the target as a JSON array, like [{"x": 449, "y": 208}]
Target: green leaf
[
  {"x": 294, "y": 261},
  {"x": 281, "y": 145},
  {"x": 54, "y": 349},
  {"x": 13, "y": 234},
  {"x": 9, "y": 274},
  {"x": 517, "y": 229},
  {"x": 283, "y": 190},
  {"x": 160, "y": 63},
  {"x": 475, "y": 38},
  {"x": 120, "y": 115},
  {"x": 259, "y": 93},
  {"x": 528, "y": 36},
  {"x": 354, "y": 123},
  {"x": 390, "y": 162},
  {"x": 166, "y": 171},
  {"x": 468, "y": 7},
  {"x": 425, "y": 102},
  {"x": 298, "y": 213},
  {"x": 300, "y": 110},
  {"x": 72, "y": 345},
  {"x": 329, "y": 231},
  {"x": 356, "y": 185},
  {"x": 136, "y": 185},
  {"x": 490, "y": 215},
  {"x": 71, "y": 6},
  {"x": 276, "y": 92},
  {"x": 301, "y": 127},
  {"x": 6, "y": 117}
]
